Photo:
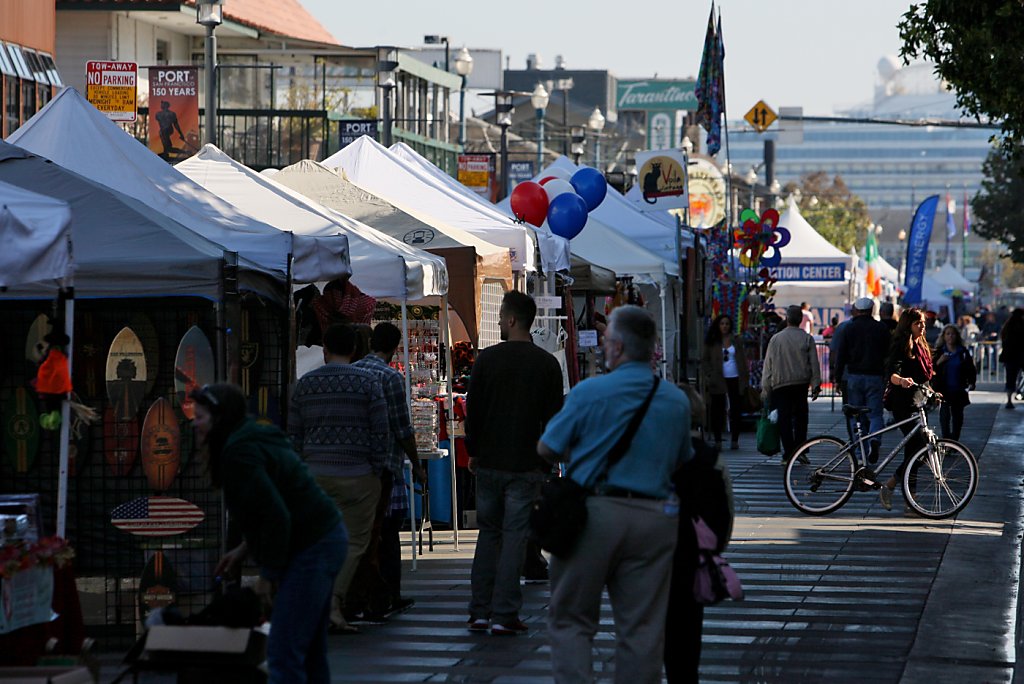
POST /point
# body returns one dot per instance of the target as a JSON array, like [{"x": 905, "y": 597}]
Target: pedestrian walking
[
  {"x": 338, "y": 422},
  {"x": 954, "y": 377},
  {"x": 859, "y": 362},
  {"x": 909, "y": 363},
  {"x": 807, "y": 318},
  {"x": 514, "y": 389},
  {"x": 724, "y": 371},
  {"x": 288, "y": 526},
  {"x": 790, "y": 369},
  {"x": 1012, "y": 355},
  {"x": 377, "y": 587},
  {"x": 628, "y": 542},
  {"x": 886, "y": 313},
  {"x": 705, "y": 490}
]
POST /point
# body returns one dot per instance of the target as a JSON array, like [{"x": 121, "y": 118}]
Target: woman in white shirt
[{"x": 724, "y": 372}]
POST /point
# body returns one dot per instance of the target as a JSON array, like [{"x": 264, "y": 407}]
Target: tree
[
  {"x": 976, "y": 50},
  {"x": 998, "y": 208},
  {"x": 826, "y": 202}
]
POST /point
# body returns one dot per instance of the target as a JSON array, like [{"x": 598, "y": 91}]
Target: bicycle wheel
[
  {"x": 819, "y": 476},
  {"x": 940, "y": 482}
]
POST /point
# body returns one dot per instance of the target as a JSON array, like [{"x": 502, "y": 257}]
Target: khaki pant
[
  {"x": 628, "y": 546},
  {"x": 356, "y": 498}
]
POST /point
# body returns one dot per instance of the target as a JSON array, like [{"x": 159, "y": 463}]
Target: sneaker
[
  {"x": 885, "y": 496},
  {"x": 367, "y": 617},
  {"x": 478, "y": 624},
  {"x": 509, "y": 629}
]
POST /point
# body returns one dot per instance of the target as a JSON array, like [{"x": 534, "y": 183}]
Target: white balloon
[
  {"x": 557, "y": 187},
  {"x": 557, "y": 173}
]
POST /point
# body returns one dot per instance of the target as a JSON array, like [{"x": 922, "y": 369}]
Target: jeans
[
  {"x": 297, "y": 648},
  {"x": 951, "y": 419},
  {"x": 732, "y": 387},
  {"x": 866, "y": 390},
  {"x": 503, "y": 503},
  {"x": 791, "y": 403}
]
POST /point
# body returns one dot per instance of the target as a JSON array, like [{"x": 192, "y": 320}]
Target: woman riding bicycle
[{"x": 909, "y": 364}]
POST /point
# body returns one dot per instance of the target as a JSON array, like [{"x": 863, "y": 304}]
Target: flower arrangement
[{"x": 49, "y": 551}]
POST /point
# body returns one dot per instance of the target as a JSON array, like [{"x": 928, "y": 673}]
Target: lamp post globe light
[
  {"x": 463, "y": 67},
  {"x": 210, "y": 14},
  {"x": 539, "y": 99},
  {"x": 902, "y": 237},
  {"x": 578, "y": 140},
  {"x": 596, "y": 124}
]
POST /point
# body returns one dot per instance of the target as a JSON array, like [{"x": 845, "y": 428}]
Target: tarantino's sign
[{"x": 650, "y": 95}]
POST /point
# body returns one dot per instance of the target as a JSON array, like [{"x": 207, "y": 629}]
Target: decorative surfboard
[
  {"x": 156, "y": 516},
  {"x": 158, "y": 586},
  {"x": 193, "y": 367},
  {"x": 249, "y": 352},
  {"x": 126, "y": 374},
  {"x": 21, "y": 429},
  {"x": 161, "y": 445},
  {"x": 146, "y": 333},
  {"x": 35, "y": 347},
  {"x": 120, "y": 442},
  {"x": 88, "y": 366}
]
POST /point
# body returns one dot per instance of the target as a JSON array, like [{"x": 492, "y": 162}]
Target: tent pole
[
  {"x": 408, "y": 399},
  {"x": 65, "y": 421},
  {"x": 446, "y": 335}
]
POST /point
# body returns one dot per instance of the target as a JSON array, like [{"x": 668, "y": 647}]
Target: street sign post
[
  {"x": 111, "y": 88},
  {"x": 760, "y": 116}
]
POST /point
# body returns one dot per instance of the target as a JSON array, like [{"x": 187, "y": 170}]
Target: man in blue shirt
[{"x": 631, "y": 529}]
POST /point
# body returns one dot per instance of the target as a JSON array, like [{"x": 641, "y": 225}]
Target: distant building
[
  {"x": 891, "y": 167},
  {"x": 29, "y": 78}
]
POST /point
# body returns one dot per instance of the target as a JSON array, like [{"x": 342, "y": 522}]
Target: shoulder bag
[{"x": 559, "y": 515}]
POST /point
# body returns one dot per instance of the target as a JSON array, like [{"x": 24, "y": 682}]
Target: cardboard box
[
  {"x": 45, "y": 675},
  {"x": 198, "y": 653}
]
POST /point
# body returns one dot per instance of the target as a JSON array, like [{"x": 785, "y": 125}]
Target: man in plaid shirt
[
  {"x": 386, "y": 563},
  {"x": 338, "y": 422}
]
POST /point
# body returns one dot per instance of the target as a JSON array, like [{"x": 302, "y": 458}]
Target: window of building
[
  {"x": 162, "y": 50},
  {"x": 12, "y": 104}
]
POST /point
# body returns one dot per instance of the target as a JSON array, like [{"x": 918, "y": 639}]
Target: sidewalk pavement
[{"x": 862, "y": 595}]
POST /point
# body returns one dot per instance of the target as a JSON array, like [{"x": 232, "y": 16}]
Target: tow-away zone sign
[{"x": 111, "y": 87}]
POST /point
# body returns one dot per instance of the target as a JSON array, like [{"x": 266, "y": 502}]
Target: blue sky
[{"x": 818, "y": 54}]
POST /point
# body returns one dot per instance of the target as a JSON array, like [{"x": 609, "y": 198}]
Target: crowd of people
[{"x": 319, "y": 509}]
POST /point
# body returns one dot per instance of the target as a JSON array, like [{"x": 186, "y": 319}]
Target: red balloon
[
  {"x": 530, "y": 203},
  {"x": 545, "y": 179}
]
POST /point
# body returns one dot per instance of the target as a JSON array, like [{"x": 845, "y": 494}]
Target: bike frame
[{"x": 856, "y": 445}]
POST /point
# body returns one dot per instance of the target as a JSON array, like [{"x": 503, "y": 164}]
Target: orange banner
[{"x": 174, "y": 112}]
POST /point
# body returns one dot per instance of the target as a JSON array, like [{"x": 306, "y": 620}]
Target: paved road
[{"x": 863, "y": 595}]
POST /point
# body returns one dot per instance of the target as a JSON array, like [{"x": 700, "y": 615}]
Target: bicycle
[{"x": 939, "y": 481}]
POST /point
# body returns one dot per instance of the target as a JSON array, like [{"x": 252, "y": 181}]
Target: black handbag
[{"x": 559, "y": 515}]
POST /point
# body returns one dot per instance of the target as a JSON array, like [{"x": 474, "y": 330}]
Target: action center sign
[{"x": 809, "y": 272}]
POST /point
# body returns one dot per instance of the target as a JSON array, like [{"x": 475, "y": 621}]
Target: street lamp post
[
  {"x": 565, "y": 85},
  {"x": 463, "y": 67},
  {"x": 596, "y": 124},
  {"x": 386, "y": 82},
  {"x": 578, "y": 137},
  {"x": 503, "y": 111},
  {"x": 434, "y": 40},
  {"x": 210, "y": 14},
  {"x": 539, "y": 99}
]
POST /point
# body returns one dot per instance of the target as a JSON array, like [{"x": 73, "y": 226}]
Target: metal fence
[{"x": 986, "y": 359}]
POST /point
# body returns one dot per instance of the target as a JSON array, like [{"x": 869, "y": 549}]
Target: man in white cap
[{"x": 859, "y": 361}]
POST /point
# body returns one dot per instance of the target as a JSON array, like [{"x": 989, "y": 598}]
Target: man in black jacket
[
  {"x": 514, "y": 389},
  {"x": 860, "y": 350}
]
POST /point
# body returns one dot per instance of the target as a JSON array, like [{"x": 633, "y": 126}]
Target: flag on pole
[
  {"x": 967, "y": 216},
  {"x": 950, "y": 213},
  {"x": 870, "y": 258},
  {"x": 710, "y": 88}
]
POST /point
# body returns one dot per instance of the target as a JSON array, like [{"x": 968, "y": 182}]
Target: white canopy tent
[
  {"x": 952, "y": 279},
  {"x": 554, "y": 250},
  {"x": 72, "y": 133},
  {"x": 807, "y": 255},
  {"x": 35, "y": 248},
  {"x": 471, "y": 261},
  {"x": 382, "y": 266},
  {"x": 376, "y": 170}
]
